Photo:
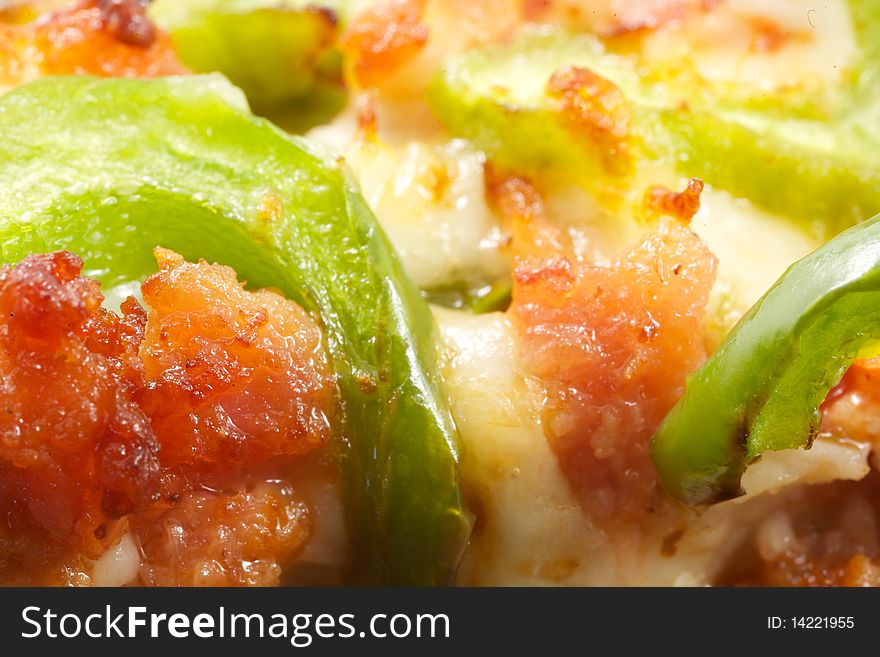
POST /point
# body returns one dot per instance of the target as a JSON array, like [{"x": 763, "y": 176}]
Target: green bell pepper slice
[
  {"x": 109, "y": 169},
  {"x": 827, "y": 170},
  {"x": 281, "y": 52},
  {"x": 477, "y": 299},
  {"x": 761, "y": 389}
]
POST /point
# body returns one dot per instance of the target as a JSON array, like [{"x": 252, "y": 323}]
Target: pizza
[{"x": 433, "y": 292}]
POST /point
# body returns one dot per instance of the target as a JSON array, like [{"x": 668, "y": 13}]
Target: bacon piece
[
  {"x": 797, "y": 568},
  {"x": 681, "y": 205},
  {"x": 612, "y": 345},
  {"x": 211, "y": 538},
  {"x": 513, "y": 197},
  {"x": 535, "y": 10},
  {"x": 769, "y": 36},
  {"x": 112, "y": 423},
  {"x": 852, "y": 408},
  {"x": 234, "y": 377},
  {"x": 98, "y": 37},
  {"x": 829, "y": 536},
  {"x": 520, "y": 205},
  {"x": 127, "y": 20},
  {"x": 76, "y": 451},
  {"x": 399, "y": 45}
]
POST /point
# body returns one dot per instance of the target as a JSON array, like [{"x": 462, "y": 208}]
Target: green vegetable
[
  {"x": 110, "y": 168},
  {"x": 497, "y": 96},
  {"x": 478, "y": 299},
  {"x": 761, "y": 389},
  {"x": 281, "y": 52},
  {"x": 865, "y": 15}
]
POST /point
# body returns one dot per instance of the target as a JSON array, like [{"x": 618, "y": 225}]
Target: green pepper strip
[
  {"x": 110, "y": 168},
  {"x": 825, "y": 169},
  {"x": 761, "y": 389},
  {"x": 282, "y": 53}
]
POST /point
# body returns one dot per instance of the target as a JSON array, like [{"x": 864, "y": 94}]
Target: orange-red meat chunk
[
  {"x": 613, "y": 345},
  {"x": 76, "y": 450},
  {"x": 99, "y": 37},
  {"x": 233, "y": 377},
  {"x": 156, "y": 425},
  {"x": 213, "y": 538}
]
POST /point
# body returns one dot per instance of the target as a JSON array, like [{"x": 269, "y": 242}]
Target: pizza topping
[
  {"x": 76, "y": 450},
  {"x": 682, "y": 205},
  {"x": 115, "y": 421},
  {"x": 762, "y": 389},
  {"x": 197, "y": 180},
  {"x": 210, "y": 538},
  {"x": 98, "y": 37},
  {"x": 383, "y": 38},
  {"x": 598, "y": 111},
  {"x": 233, "y": 377},
  {"x": 128, "y": 21},
  {"x": 613, "y": 345}
]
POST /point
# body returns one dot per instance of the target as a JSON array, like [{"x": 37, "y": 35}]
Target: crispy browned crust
[
  {"x": 384, "y": 38},
  {"x": 597, "y": 111}
]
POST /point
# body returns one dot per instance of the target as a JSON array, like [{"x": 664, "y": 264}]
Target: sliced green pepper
[
  {"x": 282, "y": 53},
  {"x": 487, "y": 298},
  {"x": 497, "y": 97},
  {"x": 111, "y": 168},
  {"x": 761, "y": 389}
]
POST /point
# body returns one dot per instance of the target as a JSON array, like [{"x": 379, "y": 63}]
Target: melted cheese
[
  {"x": 431, "y": 202},
  {"x": 428, "y": 194},
  {"x": 764, "y": 46},
  {"x": 753, "y": 247},
  {"x": 758, "y": 45}
]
